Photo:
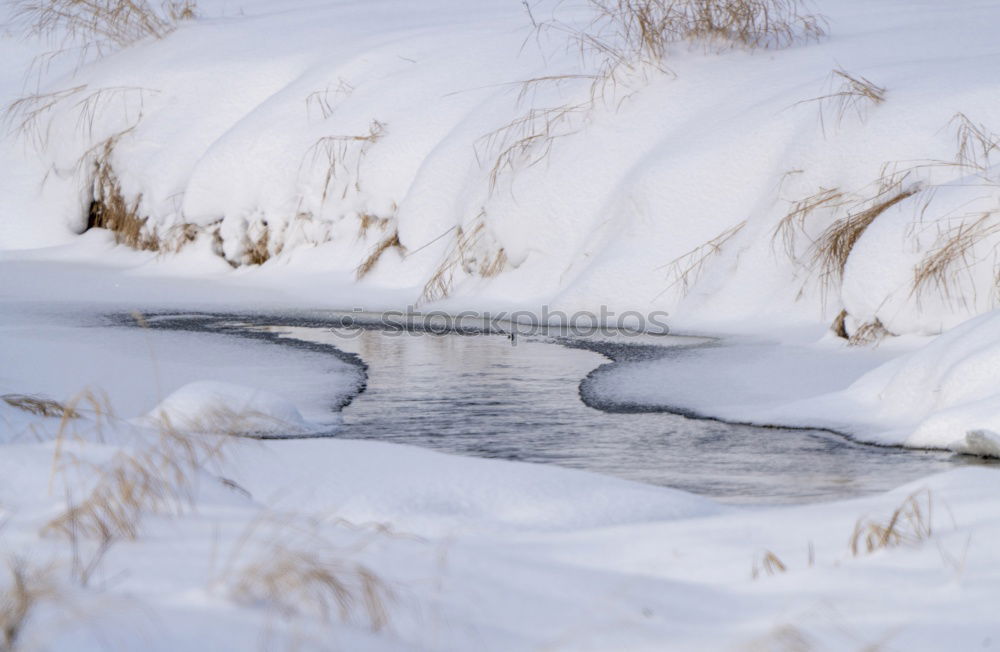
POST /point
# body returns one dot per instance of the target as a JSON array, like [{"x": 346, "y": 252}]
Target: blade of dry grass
[{"x": 684, "y": 271}]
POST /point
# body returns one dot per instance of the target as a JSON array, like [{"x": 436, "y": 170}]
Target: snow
[
  {"x": 385, "y": 113},
  {"x": 320, "y": 130},
  {"x": 506, "y": 556},
  {"x": 201, "y": 406}
]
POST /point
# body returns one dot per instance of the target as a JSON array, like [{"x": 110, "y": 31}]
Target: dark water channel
[{"x": 478, "y": 393}]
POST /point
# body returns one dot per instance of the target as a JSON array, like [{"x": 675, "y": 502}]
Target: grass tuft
[
  {"x": 868, "y": 333},
  {"x": 292, "y": 569},
  {"x": 314, "y": 583},
  {"x": 474, "y": 252},
  {"x": 684, "y": 270},
  {"x": 632, "y": 36},
  {"x": 975, "y": 143},
  {"x": 26, "y": 588},
  {"x": 109, "y": 209},
  {"x": 335, "y": 152},
  {"x": 635, "y": 32},
  {"x": 159, "y": 474},
  {"x": 909, "y": 524},
  {"x": 391, "y": 241},
  {"x": 40, "y": 406},
  {"x": 950, "y": 256},
  {"x": 830, "y": 251},
  {"x": 851, "y": 94},
  {"x": 794, "y": 222},
  {"x": 101, "y": 26},
  {"x": 768, "y": 564}
]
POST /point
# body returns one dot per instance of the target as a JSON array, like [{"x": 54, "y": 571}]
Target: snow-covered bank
[
  {"x": 938, "y": 394},
  {"x": 491, "y": 554},
  {"x": 352, "y": 139}
]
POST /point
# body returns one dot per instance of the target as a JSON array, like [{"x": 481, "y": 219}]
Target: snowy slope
[
  {"x": 474, "y": 553},
  {"x": 321, "y": 133}
]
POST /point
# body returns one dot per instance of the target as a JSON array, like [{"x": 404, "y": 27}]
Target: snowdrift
[{"x": 393, "y": 143}]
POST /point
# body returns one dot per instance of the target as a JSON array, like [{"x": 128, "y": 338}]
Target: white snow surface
[
  {"x": 252, "y": 123},
  {"x": 201, "y": 406},
  {"x": 473, "y": 552},
  {"x": 942, "y": 393},
  {"x": 232, "y": 123}
]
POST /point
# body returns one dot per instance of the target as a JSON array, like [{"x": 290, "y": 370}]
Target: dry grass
[
  {"x": 391, "y": 241},
  {"x": 255, "y": 250},
  {"x": 26, "y": 589},
  {"x": 768, "y": 564},
  {"x": 635, "y": 32},
  {"x": 830, "y": 251},
  {"x": 629, "y": 36},
  {"x": 850, "y": 94},
  {"x": 159, "y": 474},
  {"x": 794, "y": 222},
  {"x": 474, "y": 252},
  {"x": 109, "y": 209},
  {"x": 284, "y": 564},
  {"x": 950, "y": 256},
  {"x": 909, "y": 524},
  {"x": 683, "y": 271},
  {"x": 40, "y": 406},
  {"x": 869, "y": 333},
  {"x": 975, "y": 143},
  {"x": 367, "y": 221},
  {"x": 314, "y": 583},
  {"x": 337, "y": 152},
  {"x": 839, "y": 325},
  {"x": 101, "y": 26},
  {"x": 325, "y": 102},
  {"x": 527, "y": 140}
]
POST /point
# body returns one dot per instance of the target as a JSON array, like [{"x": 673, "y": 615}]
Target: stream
[{"x": 476, "y": 392}]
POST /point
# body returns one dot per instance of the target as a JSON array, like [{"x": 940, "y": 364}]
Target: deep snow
[{"x": 228, "y": 128}]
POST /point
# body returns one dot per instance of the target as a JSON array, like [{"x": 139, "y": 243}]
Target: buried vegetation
[{"x": 101, "y": 26}]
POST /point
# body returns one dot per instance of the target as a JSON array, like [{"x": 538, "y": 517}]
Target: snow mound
[
  {"x": 373, "y": 145},
  {"x": 211, "y": 406},
  {"x": 944, "y": 395},
  {"x": 428, "y": 493}
]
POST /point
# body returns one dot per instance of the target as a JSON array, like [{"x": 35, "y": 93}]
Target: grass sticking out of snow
[
  {"x": 101, "y": 26},
  {"x": 909, "y": 524},
  {"x": 473, "y": 252},
  {"x": 629, "y": 36},
  {"x": 768, "y": 564},
  {"x": 26, "y": 588},
  {"x": 391, "y": 241},
  {"x": 850, "y": 94},
  {"x": 296, "y": 572},
  {"x": 833, "y": 247},
  {"x": 39, "y": 405},
  {"x": 636, "y": 32},
  {"x": 158, "y": 474},
  {"x": 110, "y": 210},
  {"x": 942, "y": 267},
  {"x": 684, "y": 270}
]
